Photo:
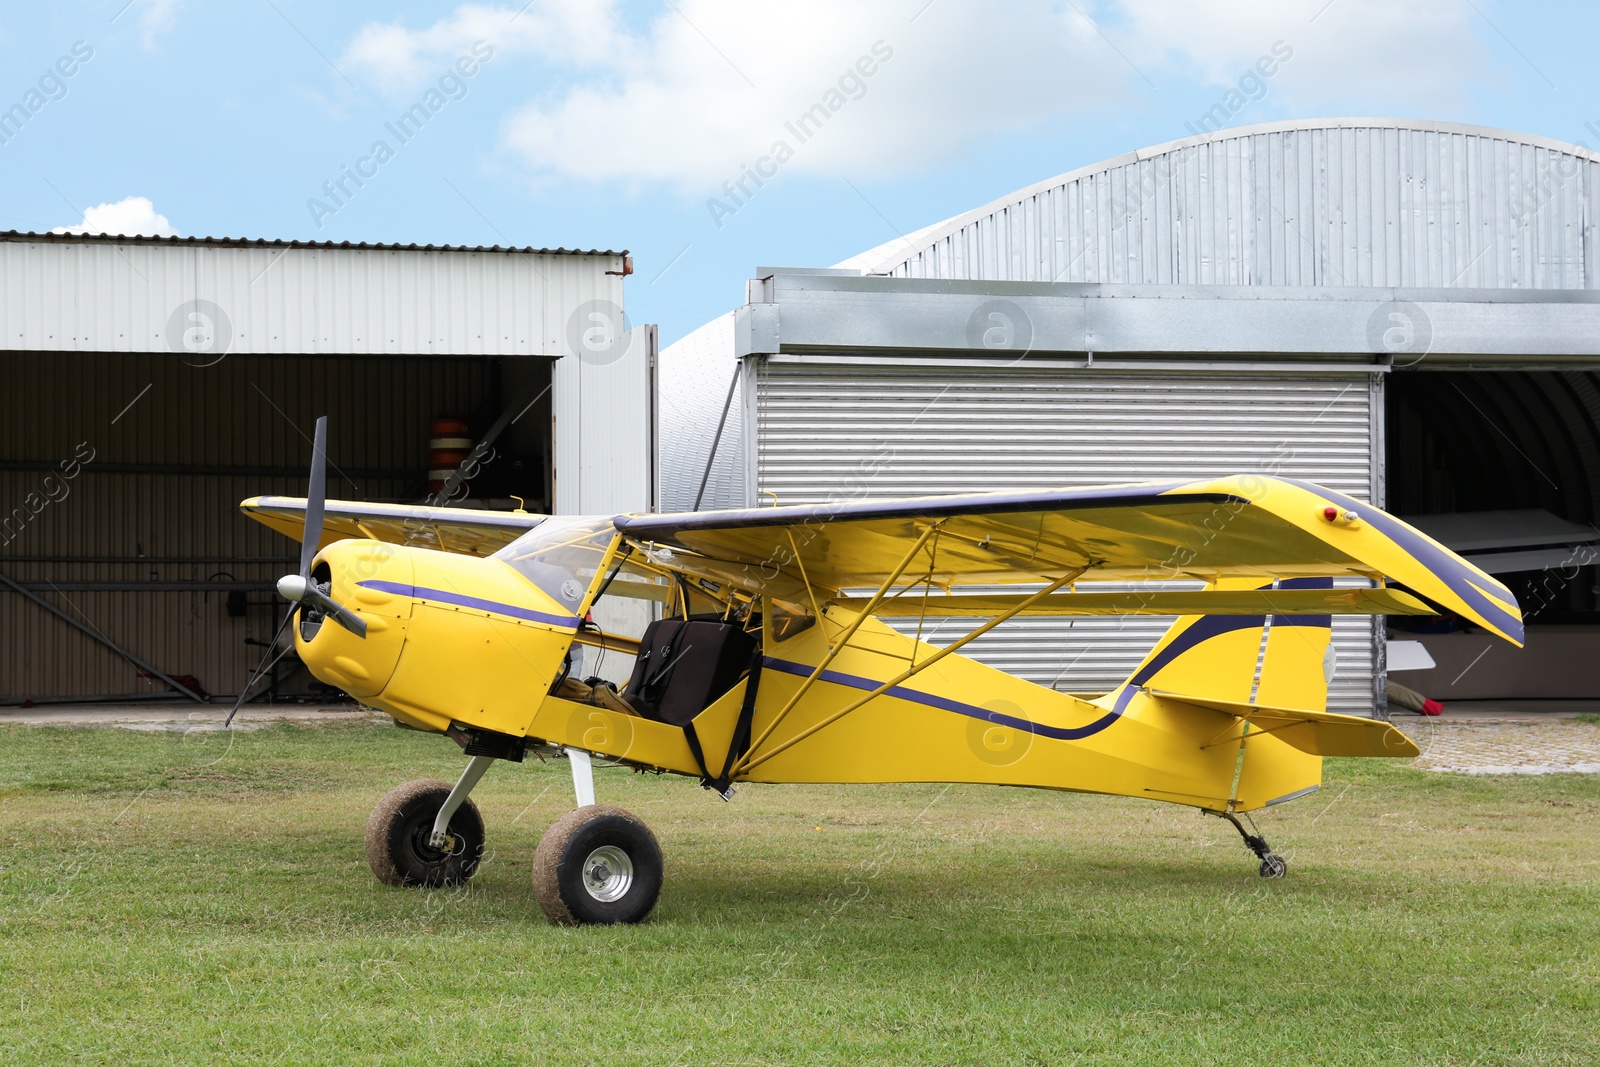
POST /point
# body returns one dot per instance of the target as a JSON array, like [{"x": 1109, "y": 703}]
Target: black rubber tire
[
  {"x": 558, "y": 862},
  {"x": 397, "y": 837},
  {"x": 1274, "y": 866}
]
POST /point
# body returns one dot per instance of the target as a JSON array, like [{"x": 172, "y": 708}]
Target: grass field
[{"x": 195, "y": 898}]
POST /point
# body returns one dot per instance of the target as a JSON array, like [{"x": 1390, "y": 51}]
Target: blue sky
[{"x": 629, "y": 124}]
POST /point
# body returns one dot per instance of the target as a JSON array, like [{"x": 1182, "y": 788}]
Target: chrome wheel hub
[{"x": 607, "y": 874}]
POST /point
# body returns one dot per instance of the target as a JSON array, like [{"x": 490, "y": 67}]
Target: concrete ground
[
  {"x": 178, "y": 715},
  {"x": 1507, "y": 737},
  {"x": 1528, "y": 711},
  {"x": 1466, "y": 746}
]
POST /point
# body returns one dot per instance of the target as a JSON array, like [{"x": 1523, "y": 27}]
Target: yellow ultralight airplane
[{"x": 759, "y": 655}]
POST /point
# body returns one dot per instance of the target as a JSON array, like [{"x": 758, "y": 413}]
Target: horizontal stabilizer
[{"x": 1321, "y": 733}]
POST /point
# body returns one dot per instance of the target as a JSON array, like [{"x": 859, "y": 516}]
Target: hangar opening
[
  {"x": 1504, "y": 467},
  {"x": 137, "y": 541}
]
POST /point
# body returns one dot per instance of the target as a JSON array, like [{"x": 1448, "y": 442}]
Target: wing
[
  {"x": 1218, "y": 532},
  {"x": 473, "y": 533},
  {"x": 1268, "y": 601}
]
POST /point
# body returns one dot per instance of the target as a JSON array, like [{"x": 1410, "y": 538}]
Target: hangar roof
[
  {"x": 250, "y": 242},
  {"x": 209, "y": 297},
  {"x": 1319, "y": 202}
]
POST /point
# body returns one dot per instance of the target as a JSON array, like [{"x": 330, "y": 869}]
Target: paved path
[
  {"x": 1488, "y": 746},
  {"x": 178, "y": 716}
]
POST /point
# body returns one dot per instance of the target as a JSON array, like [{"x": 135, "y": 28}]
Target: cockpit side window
[
  {"x": 631, "y": 595},
  {"x": 563, "y": 557}
]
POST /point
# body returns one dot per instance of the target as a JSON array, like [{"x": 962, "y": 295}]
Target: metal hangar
[
  {"x": 153, "y": 383},
  {"x": 1407, "y": 312}
]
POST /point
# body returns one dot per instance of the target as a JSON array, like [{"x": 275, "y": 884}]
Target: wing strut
[
  {"x": 810, "y": 592},
  {"x": 844, "y": 639},
  {"x": 748, "y": 763},
  {"x": 927, "y": 588}
]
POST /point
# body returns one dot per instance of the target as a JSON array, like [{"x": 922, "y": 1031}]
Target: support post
[
  {"x": 582, "y": 776},
  {"x": 717, "y": 440}
]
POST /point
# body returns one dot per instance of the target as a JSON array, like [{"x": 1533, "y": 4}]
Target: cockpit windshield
[{"x": 562, "y": 556}]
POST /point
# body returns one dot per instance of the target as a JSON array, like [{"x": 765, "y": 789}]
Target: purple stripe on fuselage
[
  {"x": 443, "y": 596},
  {"x": 1059, "y": 733},
  {"x": 1207, "y": 627}
]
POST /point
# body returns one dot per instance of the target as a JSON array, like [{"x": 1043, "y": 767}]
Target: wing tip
[{"x": 1400, "y": 746}]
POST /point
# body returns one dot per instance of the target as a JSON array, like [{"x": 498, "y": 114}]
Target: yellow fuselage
[{"x": 461, "y": 639}]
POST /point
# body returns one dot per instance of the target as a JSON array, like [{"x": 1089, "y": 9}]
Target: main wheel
[
  {"x": 597, "y": 864},
  {"x": 398, "y": 832},
  {"x": 1274, "y": 866}
]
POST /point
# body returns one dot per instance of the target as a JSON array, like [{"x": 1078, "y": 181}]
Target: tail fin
[
  {"x": 1231, "y": 664},
  {"x": 1281, "y": 660}
]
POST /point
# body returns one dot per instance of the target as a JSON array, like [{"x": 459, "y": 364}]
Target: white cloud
[
  {"x": 573, "y": 32},
  {"x": 713, "y": 86},
  {"x": 157, "y": 17},
  {"x": 1361, "y": 56},
  {"x": 708, "y": 85},
  {"x": 131, "y": 217}
]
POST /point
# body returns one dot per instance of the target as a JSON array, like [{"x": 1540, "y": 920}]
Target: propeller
[
  {"x": 301, "y": 590},
  {"x": 305, "y": 592}
]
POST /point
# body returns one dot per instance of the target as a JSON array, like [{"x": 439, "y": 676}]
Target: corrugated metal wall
[
  {"x": 226, "y": 299},
  {"x": 829, "y": 431},
  {"x": 696, "y": 372},
  {"x": 158, "y": 500},
  {"x": 108, "y": 296},
  {"x": 1346, "y": 203},
  {"x": 1368, "y": 202}
]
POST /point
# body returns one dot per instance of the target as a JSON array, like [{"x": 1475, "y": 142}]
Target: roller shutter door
[{"x": 836, "y": 430}]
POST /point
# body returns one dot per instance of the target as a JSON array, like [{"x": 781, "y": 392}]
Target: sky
[{"x": 677, "y": 129}]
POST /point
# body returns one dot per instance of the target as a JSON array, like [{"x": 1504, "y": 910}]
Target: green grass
[
  {"x": 170, "y": 898},
  {"x": 1592, "y": 720}
]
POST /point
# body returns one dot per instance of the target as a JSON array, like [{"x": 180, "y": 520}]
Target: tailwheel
[
  {"x": 1272, "y": 864},
  {"x": 400, "y": 845},
  {"x": 597, "y": 864}
]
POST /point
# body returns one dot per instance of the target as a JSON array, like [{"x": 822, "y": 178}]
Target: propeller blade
[
  {"x": 334, "y": 610},
  {"x": 261, "y": 666},
  {"x": 316, "y": 498},
  {"x": 300, "y": 589}
]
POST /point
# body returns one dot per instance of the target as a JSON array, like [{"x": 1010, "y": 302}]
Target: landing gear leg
[
  {"x": 1272, "y": 864},
  {"x": 426, "y": 833},
  {"x": 597, "y": 864},
  {"x": 440, "y": 837},
  {"x": 582, "y": 776}
]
